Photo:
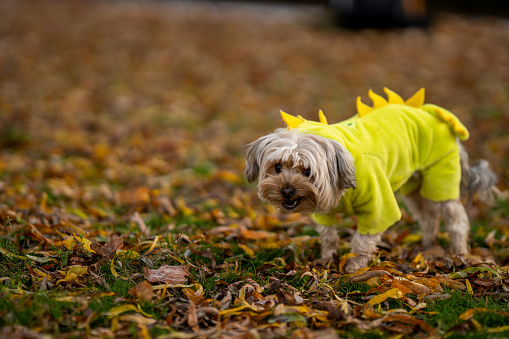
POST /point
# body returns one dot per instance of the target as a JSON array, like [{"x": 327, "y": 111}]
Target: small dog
[{"x": 355, "y": 166}]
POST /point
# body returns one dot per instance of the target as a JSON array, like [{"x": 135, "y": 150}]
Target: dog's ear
[
  {"x": 254, "y": 154},
  {"x": 344, "y": 166}
]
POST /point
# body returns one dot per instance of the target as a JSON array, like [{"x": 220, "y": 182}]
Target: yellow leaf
[
  {"x": 154, "y": 243},
  {"x": 477, "y": 325},
  {"x": 136, "y": 318},
  {"x": 112, "y": 268},
  {"x": 115, "y": 311},
  {"x": 237, "y": 310},
  {"x": 228, "y": 176},
  {"x": 469, "y": 287},
  {"x": 281, "y": 309},
  {"x": 246, "y": 249},
  {"x": 78, "y": 270},
  {"x": 69, "y": 242},
  {"x": 160, "y": 287},
  {"x": 84, "y": 241},
  {"x": 10, "y": 255},
  {"x": 418, "y": 307},
  {"x": 41, "y": 273},
  {"x": 121, "y": 309},
  {"x": 41, "y": 260},
  {"x": 79, "y": 213},
  {"x": 468, "y": 314},
  {"x": 129, "y": 254},
  {"x": 73, "y": 299},
  {"x": 70, "y": 277},
  {"x": 410, "y": 238},
  {"x": 114, "y": 325},
  {"x": 143, "y": 333},
  {"x": 394, "y": 293},
  {"x": 498, "y": 329}
]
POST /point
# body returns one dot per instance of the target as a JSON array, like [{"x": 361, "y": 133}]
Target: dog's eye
[
  {"x": 278, "y": 168},
  {"x": 307, "y": 172}
]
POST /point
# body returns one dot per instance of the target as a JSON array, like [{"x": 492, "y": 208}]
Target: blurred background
[{"x": 117, "y": 102}]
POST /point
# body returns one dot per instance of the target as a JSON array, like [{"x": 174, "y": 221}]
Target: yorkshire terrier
[{"x": 355, "y": 166}]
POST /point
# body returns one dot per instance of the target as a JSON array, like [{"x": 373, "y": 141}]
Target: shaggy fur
[{"x": 308, "y": 173}]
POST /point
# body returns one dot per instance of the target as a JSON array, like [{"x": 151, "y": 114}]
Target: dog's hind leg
[
  {"x": 427, "y": 214},
  {"x": 457, "y": 224}
]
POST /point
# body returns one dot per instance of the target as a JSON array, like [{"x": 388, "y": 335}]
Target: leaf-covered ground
[{"x": 123, "y": 207}]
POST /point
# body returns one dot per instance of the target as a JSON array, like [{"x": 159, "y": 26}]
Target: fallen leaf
[
  {"x": 142, "y": 291},
  {"x": 368, "y": 275},
  {"x": 137, "y": 318},
  {"x": 141, "y": 224},
  {"x": 411, "y": 321},
  {"x": 392, "y": 293},
  {"x": 174, "y": 275}
]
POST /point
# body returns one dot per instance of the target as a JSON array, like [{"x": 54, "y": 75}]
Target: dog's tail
[{"x": 477, "y": 179}]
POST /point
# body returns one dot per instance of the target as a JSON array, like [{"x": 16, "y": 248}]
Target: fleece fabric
[{"x": 388, "y": 145}]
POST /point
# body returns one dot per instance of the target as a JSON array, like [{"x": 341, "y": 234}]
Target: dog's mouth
[{"x": 290, "y": 204}]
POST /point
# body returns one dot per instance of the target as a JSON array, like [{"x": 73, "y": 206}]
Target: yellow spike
[
  {"x": 290, "y": 120},
  {"x": 416, "y": 100},
  {"x": 322, "y": 117},
  {"x": 378, "y": 101},
  {"x": 393, "y": 97},
  {"x": 362, "y": 108}
]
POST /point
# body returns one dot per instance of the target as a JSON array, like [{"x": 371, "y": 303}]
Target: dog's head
[{"x": 299, "y": 172}]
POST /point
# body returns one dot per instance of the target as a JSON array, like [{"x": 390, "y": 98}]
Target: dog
[{"x": 355, "y": 166}]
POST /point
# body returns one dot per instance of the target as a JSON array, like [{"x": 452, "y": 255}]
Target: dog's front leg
[
  {"x": 364, "y": 245},
  {"x": 330, "y": 242}
]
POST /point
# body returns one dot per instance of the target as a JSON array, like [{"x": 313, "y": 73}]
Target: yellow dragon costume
[{"x": 390, "y": 142}]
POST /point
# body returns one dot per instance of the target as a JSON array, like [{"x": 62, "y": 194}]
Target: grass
[{"x": 111, "y": 120}]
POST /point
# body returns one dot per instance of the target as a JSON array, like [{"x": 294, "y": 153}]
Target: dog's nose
[{"x": 287, "y": 192}]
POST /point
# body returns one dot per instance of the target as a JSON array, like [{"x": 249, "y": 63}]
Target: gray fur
[{"x": 477, "y": 179}]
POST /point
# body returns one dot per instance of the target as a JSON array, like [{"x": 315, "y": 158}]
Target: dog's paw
[{"x": 355, "y": 263}]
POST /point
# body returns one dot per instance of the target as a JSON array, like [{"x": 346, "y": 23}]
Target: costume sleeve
[
  {"x": 324, "y": 219},
  {"x": 374, "y": 204}
]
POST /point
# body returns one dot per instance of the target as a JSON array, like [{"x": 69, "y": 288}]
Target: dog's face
[{"x": 299, "y": 172}]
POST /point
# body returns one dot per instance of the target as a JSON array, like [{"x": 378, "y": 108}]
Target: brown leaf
[
  {"x": 397, "y": 284},
  {"x": 141, "y": 224},
  {"x": 483, "y": 282},
  {"x": 416, "y": 287},
  {"x": 112, "y": 246},
  {"x": 206, "y": 254},
  {"x": 142, "y": 291},
  {"x": 450, "y": 282},
  {"x": 108, "y": 251},
  {"x": 411, "y": 321},
  {"x": 192, "y": 317},
  {"x": 96, "y": 247},
  {"x": 368, "y": 275},
  {"x": 369, "y": 312},
  {"x": 173, "y": 275}
]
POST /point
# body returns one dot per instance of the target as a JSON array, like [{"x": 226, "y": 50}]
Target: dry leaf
[
  {"x": 142, "y": 291},
  {"x": 392, "y": 293},
  {"x": 173, "y": 275}
]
